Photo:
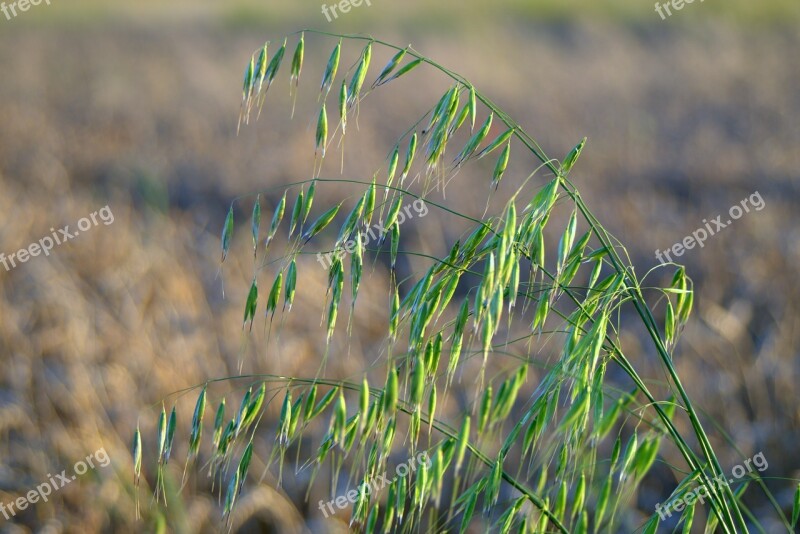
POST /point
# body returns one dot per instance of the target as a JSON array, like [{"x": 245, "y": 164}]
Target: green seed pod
[
  {"x": 498, "y": 141},
  {"x": 392, "y": 391},
  {"x": 331, "y": 68},
  {"x": 291, "y": 284},
  {"x": 463, "y": 441},
  {"x": 137, "y": 455},
  {"x": 251, "y": 304},
  {"x": 475, "y": 141},
  {"x": 343, "y": 107},
  {"x": 274, "y": 294},
  {"x": 410, "y": 152},
  {"x": 472, "y": 107},
  {"x": 572, "y": 157},
  {"x": 396, "y": 59},
  {"x": 369, "y": 203},
  {"x": 322, "y": 404},
  {"x": 197, "y": 424},
  {"x": 219, "y": 420},
  {"x": 501, "y": 165},
  {"x": 297, "y": 211},
  {"x": 262, "y": 66},
  {"x": 357, "y": 81},
  {"x": 297, "y": 61},
  {"x": 254, "y": 407},
  {"x": 322, "y": 131},
  {"x": 277, "y": 217},
  {"x": 312, "y": 189},
  {"x": 321, "y": 223},
  {"x": 162, "y": 434},
  {"x": 431, "y": 406},
  {"x": 227, "y": 233},
  {"x": 561, "y": 501},
  {"x": 393, "y": 160},
  {"x": 363, "y": 404},
  {"x": 308, "y": 406}
]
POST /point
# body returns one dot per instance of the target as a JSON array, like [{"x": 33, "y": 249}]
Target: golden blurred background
[{"x": 133, "y": 104}]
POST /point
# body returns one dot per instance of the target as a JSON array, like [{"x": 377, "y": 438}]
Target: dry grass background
[{"x": 135, "y": 107}]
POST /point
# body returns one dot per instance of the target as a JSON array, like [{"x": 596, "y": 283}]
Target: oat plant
[{"x": 554, "y": 427}]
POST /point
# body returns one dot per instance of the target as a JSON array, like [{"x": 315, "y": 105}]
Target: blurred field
[
  {"x": 451, "y": 13},
  {"x": 134, "y": 105}
]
